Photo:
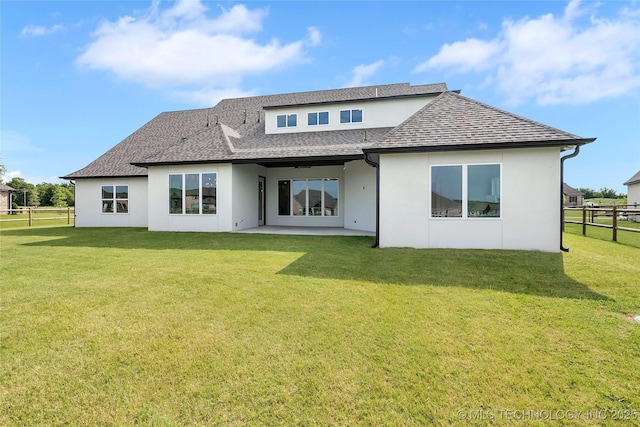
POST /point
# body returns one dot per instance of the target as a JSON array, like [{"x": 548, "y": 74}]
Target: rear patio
[{"x": 306, "y": 231}]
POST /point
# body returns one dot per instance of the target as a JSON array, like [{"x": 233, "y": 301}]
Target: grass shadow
[{"x": 350, "y": 258}]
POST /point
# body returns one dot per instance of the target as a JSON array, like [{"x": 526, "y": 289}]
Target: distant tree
[
  {"x": 588, "y": 193},
  {"x": 608, "y": 193},
  {"x": 3, "y": 170},
  {"x": 31, "y": 191},
  {"x": 45, "y": 193},
  {"x": 69, "y": 191},
  {"x": 59, "y": 198}
]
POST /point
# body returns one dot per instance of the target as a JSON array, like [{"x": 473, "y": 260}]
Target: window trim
[
  {"x": 201, "y": 195},
  {"x": 114, "y": 200},
  {"x": 465, "y": 192}
]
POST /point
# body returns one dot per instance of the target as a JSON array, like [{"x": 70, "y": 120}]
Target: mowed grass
[
  {"x": 625, "y": 237},
  {"x": 130, "y": 327}
]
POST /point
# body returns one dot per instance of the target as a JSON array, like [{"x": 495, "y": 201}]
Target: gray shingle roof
[
  {"x": 183, "y": 136},
  {"x": 6, "y": 188},
  {"x": 452, "y": 121},
  {"x": 567, "y": 190},
  {"x": 634, "y": 179},
  {"x": 234, "y": 130}
]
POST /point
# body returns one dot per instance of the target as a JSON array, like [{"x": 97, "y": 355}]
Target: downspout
[
  {"x": 377, "y": 166},
  {"x": 74, "y": 202},
  {"x": 562, "y": 159}
]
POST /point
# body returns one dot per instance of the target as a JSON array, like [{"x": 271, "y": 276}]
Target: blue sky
[{"x": 77, "y": 77}]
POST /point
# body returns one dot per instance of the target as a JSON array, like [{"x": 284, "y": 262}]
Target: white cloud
[
  {"x": 573, "y": 59},
  {"x": 362, "y": 72},
  {"x": 465, "y": 56},
  {"x": 181, "y": 47},
  {"x": 38, "y": 30},
  {"x": 315, "y": 36}
]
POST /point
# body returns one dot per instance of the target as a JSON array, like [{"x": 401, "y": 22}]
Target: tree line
[
  {"x": 43, "y": 194},
  {"x": 604, "y": 193}
]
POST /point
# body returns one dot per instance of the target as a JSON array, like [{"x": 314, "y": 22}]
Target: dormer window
[
  {"x": 351, "y": 116},
  {"x": 319, "y": 118},
  {"x": 287, "y": 120}
]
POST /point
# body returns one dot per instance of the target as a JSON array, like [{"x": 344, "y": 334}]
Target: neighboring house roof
[
  {"x": 570, "y": 191},
  {"x": 454, "y": 122},
  {"x": 234, "y": 131},
  {"x": 635, "y": 179},
  {"x": 6, "y": 188}
]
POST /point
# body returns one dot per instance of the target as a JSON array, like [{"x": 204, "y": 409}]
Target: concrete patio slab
[{"x": 307, "y": 231}]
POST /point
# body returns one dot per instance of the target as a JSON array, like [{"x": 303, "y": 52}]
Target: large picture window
[
  {"x": 308, "y": 197},
  {"x": 193, "y": 193},
  {"x": 115, "y": 199},
  {"x": 465, "y": 191}
]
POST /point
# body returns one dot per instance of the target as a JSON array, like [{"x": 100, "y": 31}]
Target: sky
[{"x": 77, "y": 77}]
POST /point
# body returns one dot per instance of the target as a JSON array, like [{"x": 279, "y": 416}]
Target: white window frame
[
  {"x": 200, "y": 193},
  {"x": 307, "y": 210},
  {"x": 350, "y": 110},
  {"x": 115, "y": 199},
  {"x": 465, "y": 192},
  {"x": 317, "y": 113},
  {"x": 287, "y": 118}
]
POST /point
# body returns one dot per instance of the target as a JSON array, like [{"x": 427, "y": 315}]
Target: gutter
[
  {"x": 562, "y": 159},
  {"x": 377, "y": 166}
]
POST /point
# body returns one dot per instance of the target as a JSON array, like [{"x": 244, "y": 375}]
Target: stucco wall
[
  {"x": 359, "y": 196},
  {"x": 375, "y": 113},
  {"x": 245, "y": 195},
  {"x": 88, "y": 203},
  {"x": 530, "y": 202},
  {"x": 161, "y": 220},
  {"x": 633, "y": 196},
  {"x": 633, "y": 193}
]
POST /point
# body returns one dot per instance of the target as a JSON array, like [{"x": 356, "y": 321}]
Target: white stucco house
[
  {"x": 421, "y": 166},
  {"x": 633, "y": 193}
]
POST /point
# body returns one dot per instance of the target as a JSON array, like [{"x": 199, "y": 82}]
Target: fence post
[
  {"x": 584, "y": 220},
  {"x": 30, "y": 217},
  {"x": 615, "y": 224},
  {"x": 68, "y": 215}
]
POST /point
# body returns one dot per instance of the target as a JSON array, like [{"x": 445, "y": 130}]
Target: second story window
[
  {"x": 320, "y": 118},
  {"x": 287, "y": 120},
  {"x": 351, "y": 116}
]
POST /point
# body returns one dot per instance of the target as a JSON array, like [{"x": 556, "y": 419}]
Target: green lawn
[
  {"x": 625, "y": 237},
  {"x": 126, "y": 327}
]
